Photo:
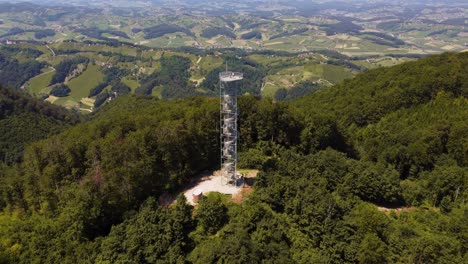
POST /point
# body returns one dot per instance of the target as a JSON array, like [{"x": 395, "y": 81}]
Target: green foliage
[
  {"x": 40, "y": 34},
  {"x": 215, "y": 31},
  {"x": 288, "y": 34},
  {"x": 13, "y": 74},
  {"x": 120, "y": 88},
  {"x": 381, "y": 40},
  {"x": 101, "y": 98},
  {"x": 394, "y": 138},
  {"x": 147, "y": 84},
  {"x": 112, "y": 75},
  {"x": 24, "y": 120},
  {"x": 97, "y": 33},
  {"x": 390, "y": 25},
  {"x": 60, "y": 90},
  {"x": 263, "y": 120},
  {"x": 164, "y": 237},
  {"x": 246, "y": 239},
  {"x": 98, "y": 89},
  {"x": 163, "y": 29},
  {"x": 11, "y": 51},
  {"x": 342, "y": 27},
  {"x": 253, "y": 75},
  {"x": 299, "y": 90},
  {"x": 211, "y": 214},
  {"x": 372, "y": 250},
  {"x": 253, "y": 158},
  {"x": 369, "y": 97},
  {"x": 447, "y": 183},
  {"x": 174, "y": 78},
  {"x": 119, "y": 57},
  {"x": 321, "y": 131},
  {"x": 252, "y": 34},
  {"x": 161, "y": 145},
  {"x": 66, "y": 67},
  {"x": 374, "y": 183},
  {"x": 415, "y": 139}
]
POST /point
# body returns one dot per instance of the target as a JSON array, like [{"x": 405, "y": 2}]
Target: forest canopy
[
  {"x": 372, "y": 170},
  {"x": 24, "y": 120}
]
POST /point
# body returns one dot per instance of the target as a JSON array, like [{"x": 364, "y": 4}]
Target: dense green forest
[
  {"x": 24, "y": 119},
  {"x": 163, "y": 29},
  {"x": 298, "y": 90},
  {"x": 98, "y": 33},
  {"x": 254, "y": 74},
  {"x": 292, "y": 33},
  {"x": 252, "y": 34},
  {"x": 173, "y": 77},
  {"x": 65, "y": 68},
  {"x": 391, "y": 137},
  {"x": 215, "y": 31},
  {"x": 14, "y": 73},
  {"x": 60, "y": 90}
]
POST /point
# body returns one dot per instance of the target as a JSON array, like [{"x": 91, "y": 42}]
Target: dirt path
[
  {"x": 273, "y": 43},
  {"x": 397, "y": 210},
  {"x": 324, "y": 80},
  {"x": 53, "y": 69},
  {"x": 53, "y": 52}
]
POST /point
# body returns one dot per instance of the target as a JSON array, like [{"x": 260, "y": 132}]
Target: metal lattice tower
[{"x": 229, "y": 88}]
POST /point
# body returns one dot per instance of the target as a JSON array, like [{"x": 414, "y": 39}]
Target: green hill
[
  {"x": 372, "y": 170},
  {"x": 389, "y": 97},
  {"x": 91, "y": 70},
  {"x": 368, "y": 97},
  {"x": 24, "y": 119}
]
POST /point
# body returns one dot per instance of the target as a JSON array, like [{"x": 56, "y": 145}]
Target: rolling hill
[
  {"x": 25, "y": 120},
  {"x": 94, "y": 70},
  {"x": 371, "y": 170}
]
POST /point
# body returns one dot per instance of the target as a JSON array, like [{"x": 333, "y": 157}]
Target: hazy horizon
[{"x": 295, "y": 3}]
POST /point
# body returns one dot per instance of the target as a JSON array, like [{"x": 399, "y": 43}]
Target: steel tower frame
[{"x": 229, "y": 83}]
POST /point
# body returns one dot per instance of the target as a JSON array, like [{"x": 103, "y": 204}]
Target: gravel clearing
[{"x": 211, "y": 183}]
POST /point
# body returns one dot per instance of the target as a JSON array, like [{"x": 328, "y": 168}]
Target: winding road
[
  {"x": 53, "y": 69},
  {"x": 53, "y": 52}
]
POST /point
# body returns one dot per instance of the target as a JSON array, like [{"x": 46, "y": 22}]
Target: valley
[
  {"x": 351, "y": 29},
  {"x": 134, "y": 67},
  {"x": 289, "y": 51}
]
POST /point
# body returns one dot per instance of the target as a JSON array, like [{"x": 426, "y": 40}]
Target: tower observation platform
[{"x": 229, "y": 89}]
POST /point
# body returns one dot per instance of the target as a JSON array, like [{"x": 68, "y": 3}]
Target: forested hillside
[
  {"x": 24, "y": 119},
  {"x": 390, "y": 138},
  {"x": 14, "y": 73}
]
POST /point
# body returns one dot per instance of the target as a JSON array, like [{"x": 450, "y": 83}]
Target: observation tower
[{"x": 229, "y": 83}]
